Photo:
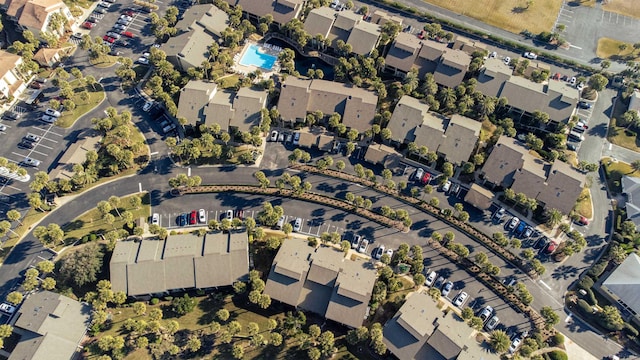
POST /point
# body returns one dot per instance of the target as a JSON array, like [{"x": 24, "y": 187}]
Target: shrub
[
  {"x": 557, "y": 355},
  {"x": 584, "y": 307},
  {"x": 557, "y": 339},
  {"x": 597, "y": 269},
  {"x": 93, "y": 237},
  {"x": 168, "y": 298},
  {"x": 85, "y": 239},
  {"x": 632, "y": 331},
  {"x": 592, "y": 297},
  {"x": 154, "y": 301},
  {"x": 586, "y": 282}
]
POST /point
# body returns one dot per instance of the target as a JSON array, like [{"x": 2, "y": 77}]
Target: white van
[
  {"x": 280, "y": 223},
  {"x": 575, "y": 136}
]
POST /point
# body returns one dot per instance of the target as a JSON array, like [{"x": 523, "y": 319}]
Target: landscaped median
[
  {"x": 434, "y": 211},
  {"x": 304, "y": 196}
]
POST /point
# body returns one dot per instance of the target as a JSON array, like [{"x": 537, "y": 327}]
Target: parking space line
[
  {"x": 44, "y": 146},
  {"x": 47, "y": 131}
]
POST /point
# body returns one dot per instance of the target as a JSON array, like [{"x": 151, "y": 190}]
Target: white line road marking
[
  {"x": 44, "y": 146},
  {"x": 577, "y": 47},
  {"x": 545, "y": 285},
  {"x": 48, "y": 130}
]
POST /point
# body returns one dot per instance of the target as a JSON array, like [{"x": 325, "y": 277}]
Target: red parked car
[
  {"x": 583, "y": 221},
  {"x": 108, "y": 39},
  {"x": 128, "y": 12},
  {"x": 88, "y": 25},
  {"x": 550, "y": 248},
  {"x": 128, "y": 34},
  {"x": 193, "y": 217},
  {"x": 422, "y": 34},
  {"x": 426, "y": 177}
]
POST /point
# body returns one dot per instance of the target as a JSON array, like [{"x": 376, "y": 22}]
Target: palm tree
[
  {"x": 554, "y": 217},
  {"x": 635, "y": 165},
  {"x": 499, "y": 341}
]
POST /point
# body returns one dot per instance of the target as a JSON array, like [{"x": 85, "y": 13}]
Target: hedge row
[{"x": 466, "y": 228}]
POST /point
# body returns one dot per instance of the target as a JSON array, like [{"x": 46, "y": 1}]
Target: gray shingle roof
[
  {"x": 206, "y": 16},
  {"x": 624, "y": 282},
  {"x": 631, "y": 188},
  {"x": 320, "y": 21},
  {"x": 364, "y": 37},
  {"x": 403, "y": 52},
  {"x": 479, "y": 197},
  {"x": 460, "y": 139},
  {"x": 182, "y": 261},
  {"x": 282, "y": 10},
  {"x": 189, "y": 48},
  {"x": 503, "y": 161},
  {"x": 452, "y": 68},
  {"x": 322, "y": 281},
  {"x": 407, "y": 116},
  {"x": 54, "y": 325},
  {"x": 246, "y": 106},
  {"x": 194, "y": 97}
]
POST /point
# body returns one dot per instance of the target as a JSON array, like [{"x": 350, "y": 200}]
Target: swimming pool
[{"x": 253, "y": 57}]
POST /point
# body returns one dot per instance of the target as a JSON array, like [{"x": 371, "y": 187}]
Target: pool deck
[{"x": 246, "y": 69}]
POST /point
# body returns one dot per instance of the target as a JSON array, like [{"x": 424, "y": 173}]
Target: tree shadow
[{"x": 519, "y": 9}]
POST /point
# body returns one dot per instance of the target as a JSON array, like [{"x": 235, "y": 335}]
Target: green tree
[
  {"x": 550, "y": 317},
  {"x": 183, "y": 305},
  {"x": 499, "y": 341}
]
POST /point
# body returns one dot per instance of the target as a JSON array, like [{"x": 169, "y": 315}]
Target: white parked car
[
  {"x": 498, "y": 215},
  {"x": 430, "y": 279},
  {"x": 364, "y": 244},
  {"x": 492, "y": 323},
  {"x": 513, "y": 223},
  {"x": 52, "y": 112},
  {"x": 530, "y": 55},
  {"x": 125, "y": 17},
  {"x": 8, "y": 309},
  {"x": 486, "y": 313},
  {"x": 296, "y": 138},
  {"x": 460, "y": 299},
  {"x": 147, "y": 106},
  {"x": 48, "y": 119},
  {"x": 446, "y": 289},
  {"x": 419, "y": 174},
  {"x": 32, "y": 138},
  {"x": 202, "y": 218},
  {"x": 515, "y": 344},
  {"x": 3, "y": 127},
  {"x": 229, "y": 214},
  {"x": 114, "y": 35},
  {"x": 143, "y": 61},
  {"x": 155, "y": 219},
  {"x": 274, "y": 136},
  {"x": 506, "y": 60},
  {"x": 297, "y": 225},
  {"x": 446, "y": 186},
  {"x": 390, "y": 253},
  {"x": 31, "y": 162}
]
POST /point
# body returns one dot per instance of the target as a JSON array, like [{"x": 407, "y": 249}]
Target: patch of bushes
[
  {"x": 597, "y": 269},
  {"x": 154, "y": 301},
  {"x": 586, "y": 282},
  {"x": 592, "y": 297},
  {"x": 632, "y": 331},
  {"x": 557, "y": 339},
  {"x": 557, "y": 355},
  {"x": 584, "y": 307}
]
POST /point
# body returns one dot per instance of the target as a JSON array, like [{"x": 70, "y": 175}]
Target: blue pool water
[{"x": 252, "y": 56}]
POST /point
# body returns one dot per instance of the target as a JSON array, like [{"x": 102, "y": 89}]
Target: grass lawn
[
  {"x": 512, "y": 16},
  {"x": 487, "y": 130},
  {"x": 610, "y": 49},
  {"x": 615, "y": 171},
  {"x": 92, "y": 222},
  {"x": 228, "y": 81},
  {"x": 104, "y": 61},
  {"x": 617, "y": 135},
  {"x": 623, "y": 7},
  {"x": 96, "y": 96},
  {"x": 584, "y": 206}
]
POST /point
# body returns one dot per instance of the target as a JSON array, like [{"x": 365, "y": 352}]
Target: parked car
[
  {"x": 419, "y": 174},
  {"x": 355, "y": 241},
  {"x": 455, "y": 188},
  {"x": 128, "y": 34},
  {"x": 193, "y": 217},
  {"x": 48, "y": 119},
  {"x": 26, "y": 145},
  {"x": 422, "y": 34},
  {"x": 426, "y": 177},
  {"x": 446, "y": 289},
  {"x": 511, "y": 225},
  {"x": 530, "y": 55},
  {"x": 202, "y": 217},
  {"x": 52, "y": 112},
  {"x": 446, "y": 186},
  {"x": 7, "y": 309},
  {"x": 3, "y": 127},
  {"x": 274, "y": 135},
  {"x": 35, "y": 85},
  {"x": 364, "y": 244},
  {"x": 584, "y": 105},
  {"x": 499, "y": 214},
  {"x": 492, "y": 323},
  {"x": 520, "y": 229},
  {"x": 439, "y": 282},
  {"x": 143, "y": 61},
  {"x": 571, "y": 147},
  {"x": 88, "y": 25},
  {"x": 99, "y": 11},
  {"x": 155, "y": 219},
  {"x": 182, "y": 219},
  {"x": 550, "y": 248},
  {"x": 147, "y": 106},
  {"x": 128, "y": 12},
  {"x": 31, "y": 137},
  {"x": 460, "y": 299},
  {"x": 541, "y": 243},
  {"x": 582, "y": 221},
  {"x": 31, "y": 162},
  {"x": 12, "y": 115},
  {"x": 377, "y": 253},
  {"x": 390, "y": 253},
  {"x": 104, "y": 4},
  {"x": 122, "y": 22},
  {"x": 296, "y": 138},
  {"x": 573, "y": 80},
  {"x": 297, "y": 225},
  {"x": 557, "y": 76},
  {"x": 527, "y": 232},
  {"x": 506, "y": 60},
  {"x": 430, "y": 279},
  {"x": 113, "y": 34},
  {"x": 515, "y": 344},
  {"x": 126, "y": 17},
  {"x": 229, "y": 215},
  {"x": 108, "y": 39},
  {"x": 493, "y": 54},
  {"x": 280, "y": 223},
  {"x": 486, "y": 313},
  {"x": 119, "y": 27}
]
